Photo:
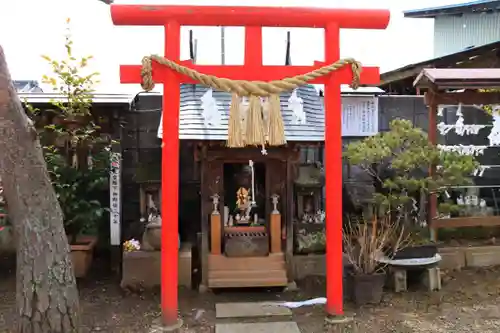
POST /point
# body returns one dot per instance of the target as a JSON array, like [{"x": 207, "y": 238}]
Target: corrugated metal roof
[
  {"x": 192, "y": 125},
  {"x": 456, "y": 33},
  {"x": 480, "y": 6}
]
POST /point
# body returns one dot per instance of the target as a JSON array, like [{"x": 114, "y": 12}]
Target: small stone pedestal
[
  {"x": 399, "y": 268},
  {"x": 431, "y": 278},
  {"x": 142, "y": 269}
]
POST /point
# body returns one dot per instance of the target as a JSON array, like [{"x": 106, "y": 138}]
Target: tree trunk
[{"x": 47, "y": 296}]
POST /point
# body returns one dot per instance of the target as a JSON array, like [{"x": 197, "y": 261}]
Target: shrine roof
[
  {"x": 191, "y": 122},
  {"x": 458, "y": 78},
  {"x": 192, "y": 125}
]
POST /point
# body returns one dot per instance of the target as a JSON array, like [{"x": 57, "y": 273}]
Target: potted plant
[
  {"x": 421, "y": 246},
  {"x": 397, "y": 161},
  {"x": 76, "y": 154},
  {"x": 364, "y": 242},
  {"x": 77, "y": 191},
  {"x": 69, "y": 123}
]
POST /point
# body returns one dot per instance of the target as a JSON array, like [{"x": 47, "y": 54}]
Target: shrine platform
[{"x": 262, "y": 271}]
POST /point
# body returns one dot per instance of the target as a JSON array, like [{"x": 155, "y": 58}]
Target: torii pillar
[{"x": 253, "y": 18}]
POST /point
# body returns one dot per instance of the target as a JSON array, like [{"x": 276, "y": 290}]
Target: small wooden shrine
[
  {"x": 467, "y": 89},
  {"x": 248, "y": 203}
]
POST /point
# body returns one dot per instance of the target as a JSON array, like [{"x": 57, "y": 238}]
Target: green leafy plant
[
  {"x": 75, "y": 84},
  {"x": 398, "y": 161},
  {"x": 71, "y": 136},
  {"x": 78, "y": 191}
]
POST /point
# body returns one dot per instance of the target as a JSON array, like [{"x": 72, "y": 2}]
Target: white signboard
[
  {"x": 359, "y": 115},
  {"x": 115, "y": 198}
]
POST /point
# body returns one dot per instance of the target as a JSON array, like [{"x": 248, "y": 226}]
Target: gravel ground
[{"x": 467, "y": 303}]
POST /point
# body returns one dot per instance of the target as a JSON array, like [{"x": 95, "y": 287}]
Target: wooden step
[
  {"x": 251, "y": 274},
  {"x": 243, "y": 282},
  {"x": 268, "y": 271},
  {"x": 221, "y": 262}
]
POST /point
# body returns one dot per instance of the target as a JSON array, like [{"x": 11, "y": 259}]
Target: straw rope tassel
[
  {"x": 254, "y": 134},
  {"x": 234, "y": 133},
  {"x": 276, "y": 126},
  {"x": 254, "y": 123}
]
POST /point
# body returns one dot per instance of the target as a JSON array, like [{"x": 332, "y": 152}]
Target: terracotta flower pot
[{"x": 82, "y": 254}]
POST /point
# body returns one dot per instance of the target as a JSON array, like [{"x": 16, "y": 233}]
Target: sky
[{"x": 30, "y": 28}]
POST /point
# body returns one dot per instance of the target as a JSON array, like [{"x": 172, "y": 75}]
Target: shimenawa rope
[{"x": 255, "y": 134}]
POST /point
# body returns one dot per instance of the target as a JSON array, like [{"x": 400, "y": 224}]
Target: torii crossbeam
[{"x": 253, "y": 18}]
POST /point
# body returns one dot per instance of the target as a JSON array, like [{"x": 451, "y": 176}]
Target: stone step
[
  {"x": 250, "y": 310},
  {"x": 281, "y": 327}
]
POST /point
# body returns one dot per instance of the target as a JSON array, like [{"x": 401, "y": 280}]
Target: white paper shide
[
  {"x": 296, "y": 105},
  {"x": 210, "y": 109},
  {"x": 494, "y": 136},
  {"x": 460, "y": 127}
]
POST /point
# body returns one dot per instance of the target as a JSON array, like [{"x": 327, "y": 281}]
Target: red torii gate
[{"x": 253, "y": 18}]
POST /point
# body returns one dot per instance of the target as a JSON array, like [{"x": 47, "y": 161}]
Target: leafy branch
[{"x": 399, "y": 160}]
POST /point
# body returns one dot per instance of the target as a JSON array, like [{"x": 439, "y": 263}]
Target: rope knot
[
  {"x": 357, "y": 68},
  {"x": 147, "y": 83}
]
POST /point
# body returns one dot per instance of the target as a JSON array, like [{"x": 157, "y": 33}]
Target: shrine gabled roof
[{"x": 192, "y": 125}]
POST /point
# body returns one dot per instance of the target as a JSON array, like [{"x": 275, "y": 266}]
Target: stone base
[
  {"x": 292, "y": 286},
  {"x": 456, "y": 258},
  {"x": 272, "y": 327},
  {"x": 431, "y": 278},
  {"x": 482, "y": 256},
  {"x": 308, "y": 265},
  {"x": 339, "y": 324},
  {"x": 452, "y": 258},
  {"x": 158, "y": 327},
  {"x": 142, "y": 269},
  {"x": 315, "y": 265}
]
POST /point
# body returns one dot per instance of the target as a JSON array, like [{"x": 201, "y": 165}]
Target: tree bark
[{"x": 47, "y": 296}]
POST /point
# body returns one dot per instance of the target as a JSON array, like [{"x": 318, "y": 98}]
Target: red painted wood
[
  {"x": 330, "y": 19},
  {"x": 131, "y": 73},
  {"x": 249, "y": 16},
  {"x": 253, "y": 50},
  {"x": 333, "y": 180},
  {"x": 170, "y": 180}
]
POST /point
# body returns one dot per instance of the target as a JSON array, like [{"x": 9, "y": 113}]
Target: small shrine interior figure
[{"x": 244, "y": 207}]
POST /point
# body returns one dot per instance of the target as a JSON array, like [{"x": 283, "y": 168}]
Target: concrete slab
[
  {"x": 482, "y": 256},
  {"x": 281, "y": 327},
  {"x": 249, "y": 310}
]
